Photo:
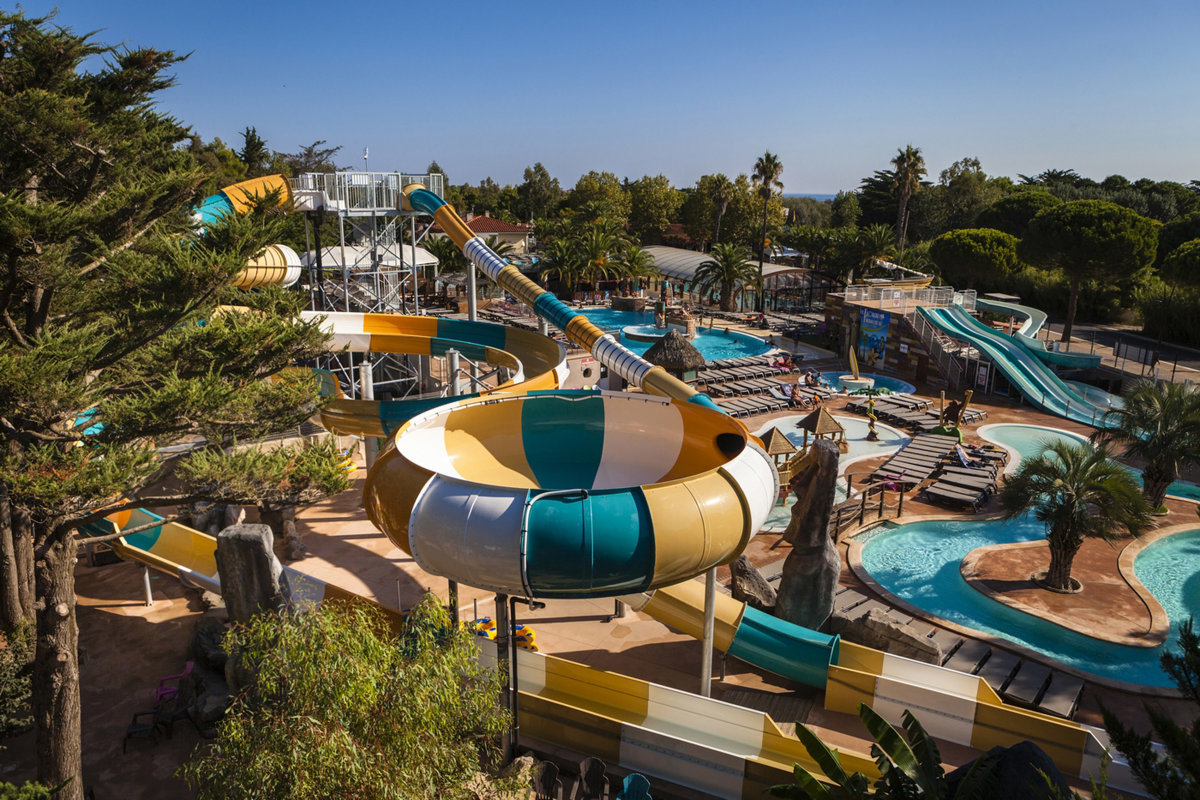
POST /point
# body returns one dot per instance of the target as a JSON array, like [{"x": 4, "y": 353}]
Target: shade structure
[{"x": 674, "y": 353}]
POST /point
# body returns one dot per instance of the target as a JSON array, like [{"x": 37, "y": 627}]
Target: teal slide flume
[
  {"x": 1025, "y": 335},
  {"x": 1036, "y": 381}
]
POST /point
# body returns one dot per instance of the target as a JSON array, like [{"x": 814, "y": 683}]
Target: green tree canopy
[
  {"x": 1089, "y": 240},
  {"x": 108, "y": 316},
  {"x": 600, "y": 194},
  {"x": 538, "y": 194},
  {"x": 1176, "y": 232},
  {"x": 653, "y": 205},
  {"x": 968, "y": 255},
  {"x": 1182, "y": 266},
  {"x": 340, "y": 707},
  {"x": 845, "y": 210},
  {"x": 1013, "y": 213}
]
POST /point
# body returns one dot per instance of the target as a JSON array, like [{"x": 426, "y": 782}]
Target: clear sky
[{"x": 685, "y": 88}]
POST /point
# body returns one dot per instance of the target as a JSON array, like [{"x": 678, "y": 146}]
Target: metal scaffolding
[{"x": 358, "y": 260}]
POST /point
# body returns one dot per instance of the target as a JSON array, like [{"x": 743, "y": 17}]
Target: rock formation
[{"x": 811, "y": 570}]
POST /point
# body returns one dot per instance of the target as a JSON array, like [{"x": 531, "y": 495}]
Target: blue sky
[{"x": 686, "y": 88}]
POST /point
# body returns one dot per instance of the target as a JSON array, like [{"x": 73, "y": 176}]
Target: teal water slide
[
  {"x": 1017, "y": 362},
  {"x": 1032, "y": 320}
]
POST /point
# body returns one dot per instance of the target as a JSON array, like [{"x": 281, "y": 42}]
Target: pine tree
[{"x": 110, "y": 345}]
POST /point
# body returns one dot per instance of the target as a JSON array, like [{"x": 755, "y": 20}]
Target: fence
[
  {"x": 905, "y": 300},
  {"x": 871, "y": 504},
  {"x": 941, "y": 348}
]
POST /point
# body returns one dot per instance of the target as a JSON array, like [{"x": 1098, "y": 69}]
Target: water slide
[
  {"x": 552, "y": 493},
  {"x": 1032, "y": 320},
  {"x": 1036, "y": 381}
]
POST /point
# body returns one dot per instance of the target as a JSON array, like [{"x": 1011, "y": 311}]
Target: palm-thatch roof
[
  {"x": 777, "y": 444},
  {"x": 674, "y": 352},
  {"x": 821, "y": 423}
]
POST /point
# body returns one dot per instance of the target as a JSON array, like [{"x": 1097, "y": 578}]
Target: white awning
[{"x": 359, "y": 255}]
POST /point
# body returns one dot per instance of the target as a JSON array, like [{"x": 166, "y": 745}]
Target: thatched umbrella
[
  {"x": 676, "y": 355},
  {"x": 822, "y": 425}
]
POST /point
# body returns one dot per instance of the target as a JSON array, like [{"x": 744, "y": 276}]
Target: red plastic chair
[{"x": 169, "y": 692}]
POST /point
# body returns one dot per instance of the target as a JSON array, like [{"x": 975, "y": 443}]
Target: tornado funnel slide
[
  {"x": 570, "y": 493},
  {"x": 1040, "y": 386},
  {"x": 1032, "y": 321},
  {"x": 534, "y": 361}
]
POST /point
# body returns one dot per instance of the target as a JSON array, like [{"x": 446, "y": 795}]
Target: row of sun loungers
[
  {"x": 749, "y": 406},
  {"x": 744, "y": 361},
  {"x": 911, "y": 412},
  {"x": 1029, "y": 684},
  {"x": 916, "y": 461},
  {"x": 805, "y": 397},
  {"x": 739, "y": 373}
]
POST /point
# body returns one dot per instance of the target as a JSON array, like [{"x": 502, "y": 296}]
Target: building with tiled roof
[{"x": 515, "y": 234}]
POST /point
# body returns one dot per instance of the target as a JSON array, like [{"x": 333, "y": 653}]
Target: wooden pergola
[{"x": 821, "y": 424}]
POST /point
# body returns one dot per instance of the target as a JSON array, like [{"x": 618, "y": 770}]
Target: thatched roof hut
[
  {"x": 821, "y": 424},
  {"x": 676, "y": 355}
]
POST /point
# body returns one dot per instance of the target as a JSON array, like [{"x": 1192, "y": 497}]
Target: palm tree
[
  {"x": 728, "y": 267},
  {"x": 909, "y": 167},
  {"x": 598, "y": 246},
  {"x": 561, "y": 259},
  {"x": 722, "y": 193},
  {"x": 502, "y": 249},
  {"x": 1160, "y": 427},
  {"x": 450, "y": 258},
  {"x": 1079, "y": 493},
  {"x": 767, "y": 170},
  {"x": 636, "y": 263},
  {"x": 909, "y": 766}
]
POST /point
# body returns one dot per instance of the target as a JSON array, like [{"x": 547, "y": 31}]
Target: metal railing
[
  {"x": 941, "y": 348},
  {"x": 904, "y": 299},
  {"x": 364, "y": 191}
]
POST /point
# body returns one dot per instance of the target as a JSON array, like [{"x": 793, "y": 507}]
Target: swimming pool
[
  {"x": 713, "y": 343},
  {"x": 919, "y": 562},
  {"x": 890, "y": 441},
  {"x": 1031, "y": 440},
  {"x": 881, "y": 382}
]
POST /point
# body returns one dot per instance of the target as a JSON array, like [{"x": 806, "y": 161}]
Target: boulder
[
  {"x": 205, "y": 646},
  {"x": 749, "y": 586},
  {"x": 252, "y": 578},
  {"x": 811, "y": 570},
  {"x": 876, "y": 629}
]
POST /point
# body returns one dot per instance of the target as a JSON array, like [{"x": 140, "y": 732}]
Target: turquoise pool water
[
  {"x": 1031, "y": 440},
  {"x": 890, "y": 440},
  {"x": 920, "y": 563},
  {"x": 713, "y": 343},
  {"x": 881, "y": 382}
]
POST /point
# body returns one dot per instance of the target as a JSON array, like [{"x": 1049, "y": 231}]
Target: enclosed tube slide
[
  {"x": 278, "y": 264},
  {"x": 607, "y": 350},
  {"x": 1039, "y": 384},
  {"x": 534, "y": 361}
]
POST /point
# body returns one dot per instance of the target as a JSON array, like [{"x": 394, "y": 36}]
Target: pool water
[
  {"x": 919, "y": 562},
  {"x": 1030, "y": 440},
  {"x": 895, "y": 385},
  {"x": 713, "y": 343},
  {"x": 890, "y": 441}
]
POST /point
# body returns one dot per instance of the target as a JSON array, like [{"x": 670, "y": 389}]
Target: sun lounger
[
  {"x": 969, "y": 657},
  {"x": 998, "y": 669},
  {"x": 954, "y": 496},
  {"x": 1027, "y": 684},
  {"x": 1061, "y": 697},
  {"x": 982, "y": 483}
]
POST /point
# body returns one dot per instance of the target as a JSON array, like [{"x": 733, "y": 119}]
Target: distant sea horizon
[{"x": 820, "y": 198}]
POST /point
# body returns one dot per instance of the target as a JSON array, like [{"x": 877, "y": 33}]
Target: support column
[
  {"x": 146, "y": 584},
  {"x": 472, "y": 311},
  {"x": 366, "y": 387},
  {"x": 504, "y": 664},
  {"x": 452, "y": 366},
  {"x": 706, "y": 646}
]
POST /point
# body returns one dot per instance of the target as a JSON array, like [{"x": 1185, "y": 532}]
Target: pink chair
[{"x": 169, "y": 692}]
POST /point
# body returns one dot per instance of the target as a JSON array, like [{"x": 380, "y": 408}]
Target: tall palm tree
[
  {"x": 722, "y": 192},
  {"x": 728, "y": 267},
  {"x": 1160, "y": 427},
  {"x": 1079, "y": 493},
  {"x": 767, "y": 170},
  {"x": 909, "y": 168},
  {"x": 599, "y": 248}
]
